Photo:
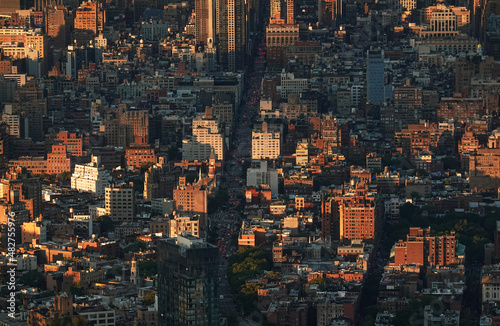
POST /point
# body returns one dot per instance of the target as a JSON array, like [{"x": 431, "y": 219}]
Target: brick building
[
  {"x": 421, "y": 248},
  {"x": 139, "y": 153}
]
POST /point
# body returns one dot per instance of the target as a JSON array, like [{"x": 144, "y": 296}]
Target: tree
[
  {"x": 274, "y": 276},
  {"x": 107, "y": 224},
  {"x": 146, "y": 166},
  {"x": 149, "y": 299},
  {"x": 136, "y": 246},
  {"x": 78, "y": 321},
  {"x": 422, "y": 173},
  {"x": 76, "y": 289},
  {"x": 64, "y": 176},
  {"x": 246, "y": 263},
  {"x": 148, "y": 268},
  {"x": 33, "y": 279}
]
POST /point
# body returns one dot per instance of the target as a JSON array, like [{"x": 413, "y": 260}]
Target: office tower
[
  {"x": 205, "y": 20},
  {"x": 375, "y": 76},
  {"x": 275, "y": 11},
  {"x": 329, "y": 12},
  {"x": 489, "y": 26},
  {"x": 290, "y": 12},
  {"x": 187, "y": 282},
  {"x": 56, "y": 26},
  {"x": 29, "y": 104},
  {"x": 77, "y": 57},
  {"x": 119, "y": 203},
  {"x": 232, "y": 30}
]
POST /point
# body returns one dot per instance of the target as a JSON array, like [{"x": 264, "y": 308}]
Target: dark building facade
[{"x": 187, "y": 288}]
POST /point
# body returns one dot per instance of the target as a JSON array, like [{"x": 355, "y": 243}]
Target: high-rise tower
[
  {"x": 290, "y": 12},
  {"x": 275, "y": 10},
  {"x": 375, "y": 77},
  {"x": 187, "y": 282},
  {"x": 232, "y": 33},
  {"x": 205, "y": 20}
]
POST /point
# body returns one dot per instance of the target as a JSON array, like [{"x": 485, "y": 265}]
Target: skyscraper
[
  {"x": 187, "y": 285},
  {"x": 205, "y": 20},
  {"x": 56, "y": 26},
  {"x": 232, "y": 33},
  {"x": 275, "y": 10},
  {"x": 329, "y": 12},
  {"x": 290, "y": 12},
  {"x": 375, "y": 76}
]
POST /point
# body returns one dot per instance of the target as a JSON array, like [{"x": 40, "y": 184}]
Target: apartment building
[
  {"x": 91, "y": 178},
  {"x": 266, "y": 144},
  {"x": 119, "y": 203}
]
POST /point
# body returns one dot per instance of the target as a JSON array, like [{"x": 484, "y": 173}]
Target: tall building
[
  {"x": 9, "y": 6},
  {"x": 90, "y": 17},
  {"x": 73, "y": 142},
  {"x": 191, "y": 198},
  {"x": 444, "y": 20},
  {"x": 187, "y": 282},
  {"x": 407, "y": 5},
  {"x": 278, "y": 37},
  {"x": 30, "y": 189},
  {"x": 205, "y": 11},
  {"x": 58, "y": 161},
  {"x": 290, "y": 12},
  {"x": 119, "y": 203},
  {"x": 159, "y": 182},
  {"x": 329, "y": 12},
  {"x": 351, "y": 213},
  {"x": 275, "y": 15},
  {"x": 232, "y": 32},
  {"x": 91, "y": 177},
  {"x": 266, "y": 144},
  {"x": 56, "y": 26},
  {"x": 263, "y": 175},
  {"x": 138, "y": 120},
  {"x": 184, "y": 224},
  {"x": 421, "y": 248},
  {"x": 207, "y": 138},
  {"x": 139, "y": 153},
  {"x": 407, "y": 108},
  {"x": 375, "y": 77},
  {"x": 121, "y": 127}
]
